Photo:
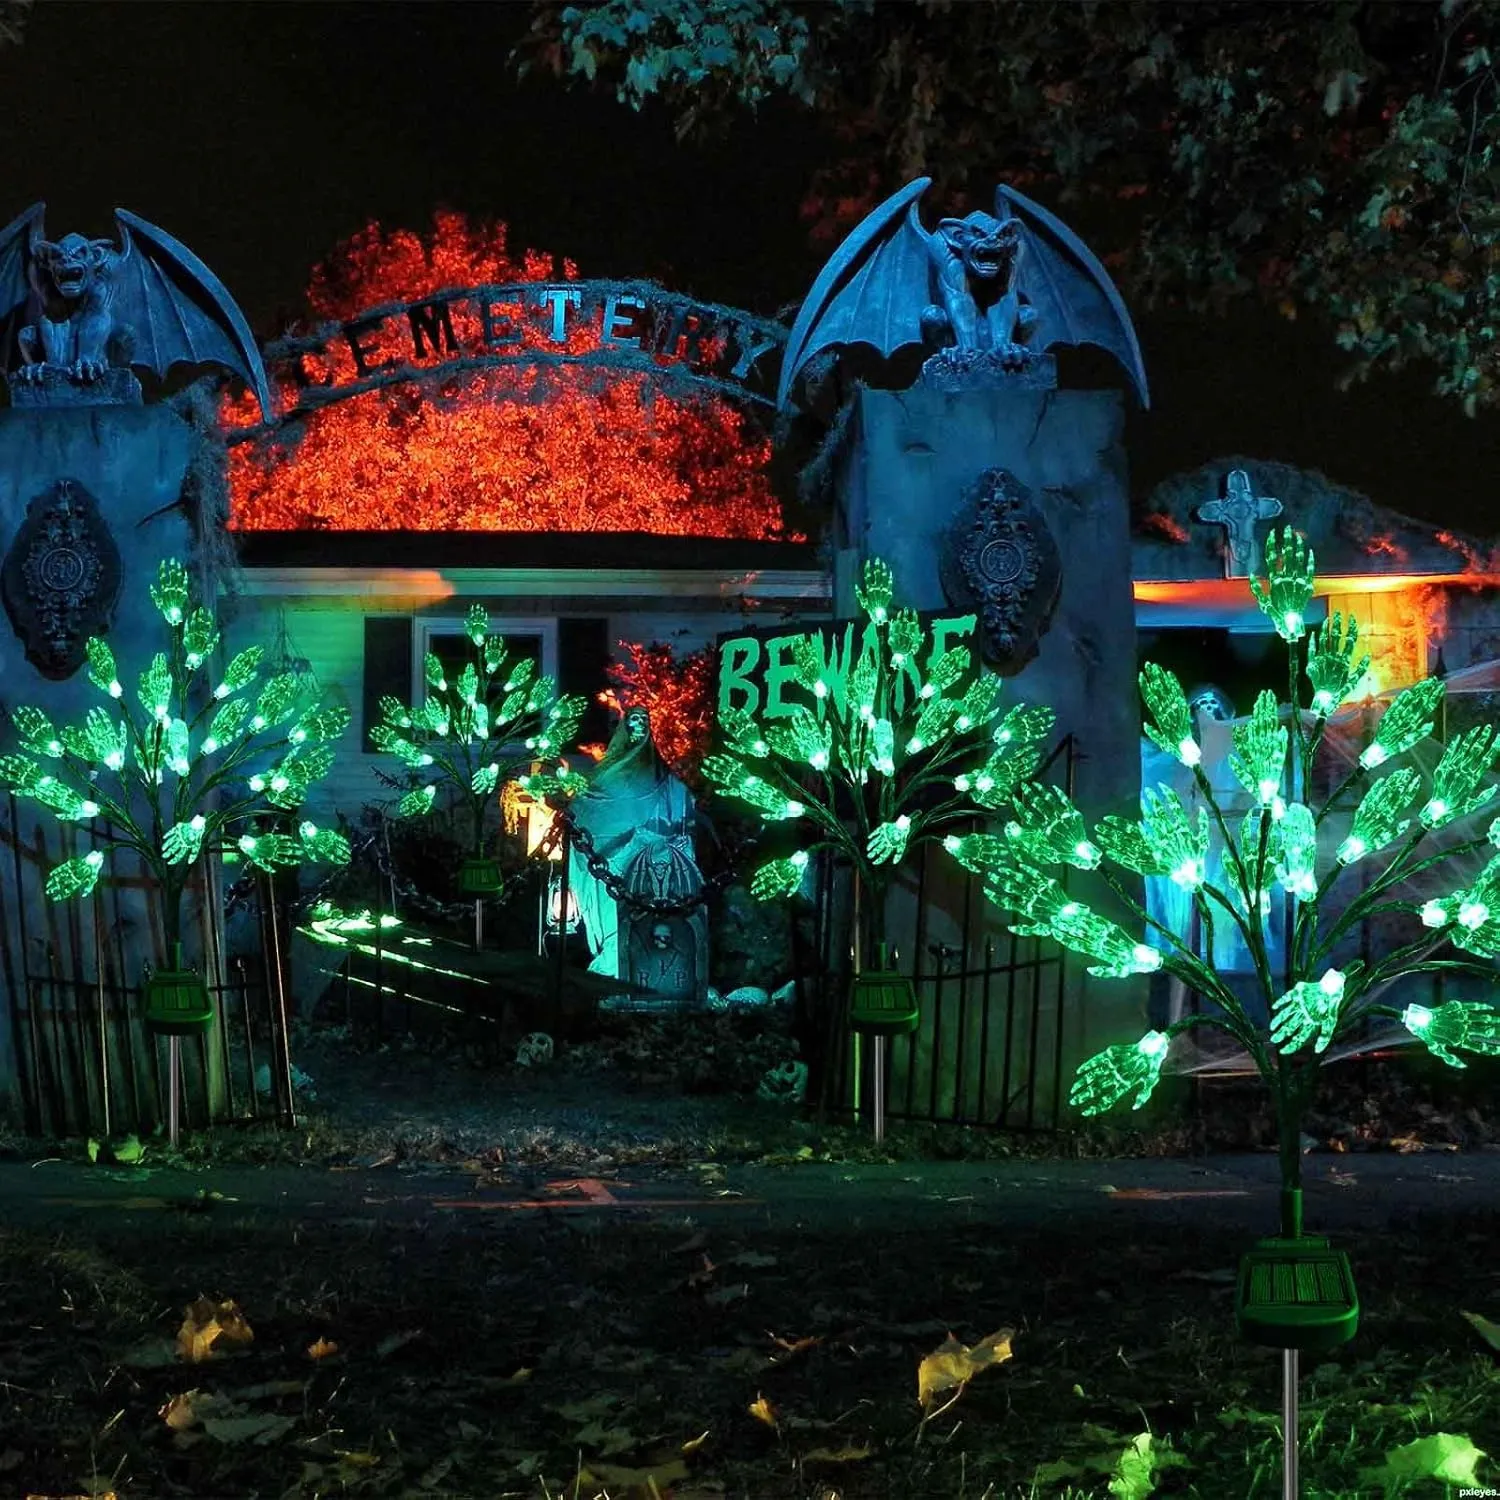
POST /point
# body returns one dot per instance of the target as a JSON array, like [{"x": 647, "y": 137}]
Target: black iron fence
[
  {"x": 76, "y": 1057},
  {"x": 990, "y": 1043}
]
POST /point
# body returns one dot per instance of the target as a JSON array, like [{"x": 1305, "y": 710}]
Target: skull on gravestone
[
  {"x": 786, "y": 1083},
  {"x": 534, "y": 1050}
]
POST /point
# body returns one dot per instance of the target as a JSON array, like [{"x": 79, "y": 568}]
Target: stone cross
[{"x": 1238, "y": 513}]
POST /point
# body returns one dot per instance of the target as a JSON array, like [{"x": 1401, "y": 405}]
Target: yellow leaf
[
  {"x": 519, "y": 1378},
  {"x": 694, "y": 1444},
  {"x": 638, "y": 1484},
  {"x": 953, "y": 1365},
  {"x": 178, "y": 1413},
  {"x": 845, "y": 1455},
  {"x": 761, "y": 1410},
  {"x": 207, "y": 1324},
  {"x": 321, "y": 1348},
  {"x": 795, "y": 1345}
]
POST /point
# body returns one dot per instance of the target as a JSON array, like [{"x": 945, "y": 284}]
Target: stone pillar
[
  {"x": 133, "y": 461},
  {"x": 915, "y": 456}
]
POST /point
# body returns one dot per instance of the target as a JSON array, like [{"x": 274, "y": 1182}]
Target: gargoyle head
[
  {"x": 68, "y": 267},
  {"x": 987, "y": 246}
]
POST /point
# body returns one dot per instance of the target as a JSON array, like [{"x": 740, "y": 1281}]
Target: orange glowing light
[
  {"x": 1383, "y": 545},
  {"x": 1163, "y": 524},
  {"x": 515, "y": 448},
  {"x": 678, "y": 692}
]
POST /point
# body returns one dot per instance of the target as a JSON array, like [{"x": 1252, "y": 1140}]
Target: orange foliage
[
  {"x": 509, "y": 448},
  {"x": 678, "y": 693}
]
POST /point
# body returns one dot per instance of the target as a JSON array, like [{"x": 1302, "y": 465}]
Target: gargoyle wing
[
  {"x": 178, "y": 311},
  {"x": 15, "y": 286},
  {"x": 1075, "y": 301},
  {"x": 872, "y": 291}
]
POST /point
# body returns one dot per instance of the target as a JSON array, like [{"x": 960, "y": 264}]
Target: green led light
[
  {"x": 1258, "y": 758},
  {"x": 1410, "y": 718},
  {"x": 1307, "y": 1010},
  {"x": 1107, "y": 1077},
  {"x": 1170, "y": 725},
  {"x": 1456, "y": 792},
  {"x": 1331, "y": 665},
  {"x": 1378, "y": 818},
  {"x": 170, "y": 591},
  {"x": 1288, "y": 588}
]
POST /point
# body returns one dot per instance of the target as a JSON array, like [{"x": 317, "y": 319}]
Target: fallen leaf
[
  {"x": 321, "y": 1348},
  {"x": 207, "y": 1324},
  {"x": 848, "y": 1455},
  {"x": 761, "y": 1410},
  {"x": 178, "y": 1413},
  {"x": 259, "y": 1428},
  {"x": 637, "y": 1484},
  {"x": 752, "y": 1258},
  {"x": 394, "y": 1341},
  {"x": 1448, "y": 1456},
  {"x": 1488, "y": 1331},
  {"x": 359, "y": 1460},
  {"x": 704, "y": 1273},
  {"x": 694, "y": 1444},
  {"x": 953, "y": 1365},
  {"x": 722, "y": 1295},
  {"x": 520, "y": 1377},
  {"x": 793, "y": 1346}
]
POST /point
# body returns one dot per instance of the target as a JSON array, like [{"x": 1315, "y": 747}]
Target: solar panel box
[{"x": 1296, "y": 1294}]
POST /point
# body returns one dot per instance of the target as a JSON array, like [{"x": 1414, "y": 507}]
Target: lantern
[
  {"x": 883, "y": 1003},
  {"x": 176, "y": 1000},
  {"x": 1296, "y": 1294},
  {"x": 480, "y": 877}
]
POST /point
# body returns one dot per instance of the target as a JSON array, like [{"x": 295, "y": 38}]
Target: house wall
[{"x": 329, "y": 631}]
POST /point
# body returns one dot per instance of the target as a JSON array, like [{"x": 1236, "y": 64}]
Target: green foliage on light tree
[
  {"x": 897, "y": 741},
  {"x": 1284, "y": 849},
  {"x": 184, "y": 767},
  {"x": 1339, "y": 157},
  {"x": 470, "y": 736}
]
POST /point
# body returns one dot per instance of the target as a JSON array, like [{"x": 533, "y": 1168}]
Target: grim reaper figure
[{"x": 640, "y": 819}]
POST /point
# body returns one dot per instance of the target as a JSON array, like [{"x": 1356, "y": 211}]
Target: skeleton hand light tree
[
  {"x": 890, "y": 749},
  {"x": 1282, "y": 850},
  {"x": 188, "y": 768},
  {"x": 473, "y": 735}
]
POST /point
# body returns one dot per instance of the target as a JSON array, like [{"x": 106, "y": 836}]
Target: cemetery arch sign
[{"x": 629, "y": 326}]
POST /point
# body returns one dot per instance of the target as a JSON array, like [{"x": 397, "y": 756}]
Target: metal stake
[
  {"x": 1289, "y": 1424},
  {"x": 103, "y": 1016},
  {"x": 877, "y": 1087},
  {"x": 479, "y": 924},
  {"x": 174, "y": 1087}
]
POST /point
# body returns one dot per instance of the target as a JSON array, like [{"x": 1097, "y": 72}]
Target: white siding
[{"x": 332, "y": 638}]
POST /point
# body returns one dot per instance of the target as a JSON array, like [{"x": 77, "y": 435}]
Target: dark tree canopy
[
  {"x": 1327, "y": 154},
  {"x": 13, "y": 20}
]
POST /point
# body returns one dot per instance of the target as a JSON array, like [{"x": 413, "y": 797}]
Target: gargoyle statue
[
  {"x": 990, "y": 290},
  {"x": 79, "y": 307}
]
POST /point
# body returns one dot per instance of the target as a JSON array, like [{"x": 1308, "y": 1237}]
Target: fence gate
[
  {"x": 75, "y": 1055},
  {"x": 989, "y": 1046}
]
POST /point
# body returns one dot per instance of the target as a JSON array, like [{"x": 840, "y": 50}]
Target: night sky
[{"x": 261, "y": 135}]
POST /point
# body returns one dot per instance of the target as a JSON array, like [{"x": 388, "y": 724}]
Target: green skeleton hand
[{"x": 1104, "y": 1079}]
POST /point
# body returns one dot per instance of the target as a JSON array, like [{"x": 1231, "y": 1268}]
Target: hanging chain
[
  {"x": 564, "y": 827},
  {"x": 614, "y": 883}
]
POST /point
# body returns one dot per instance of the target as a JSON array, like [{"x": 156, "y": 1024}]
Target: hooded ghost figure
[{"x": 640, "y": 818}]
